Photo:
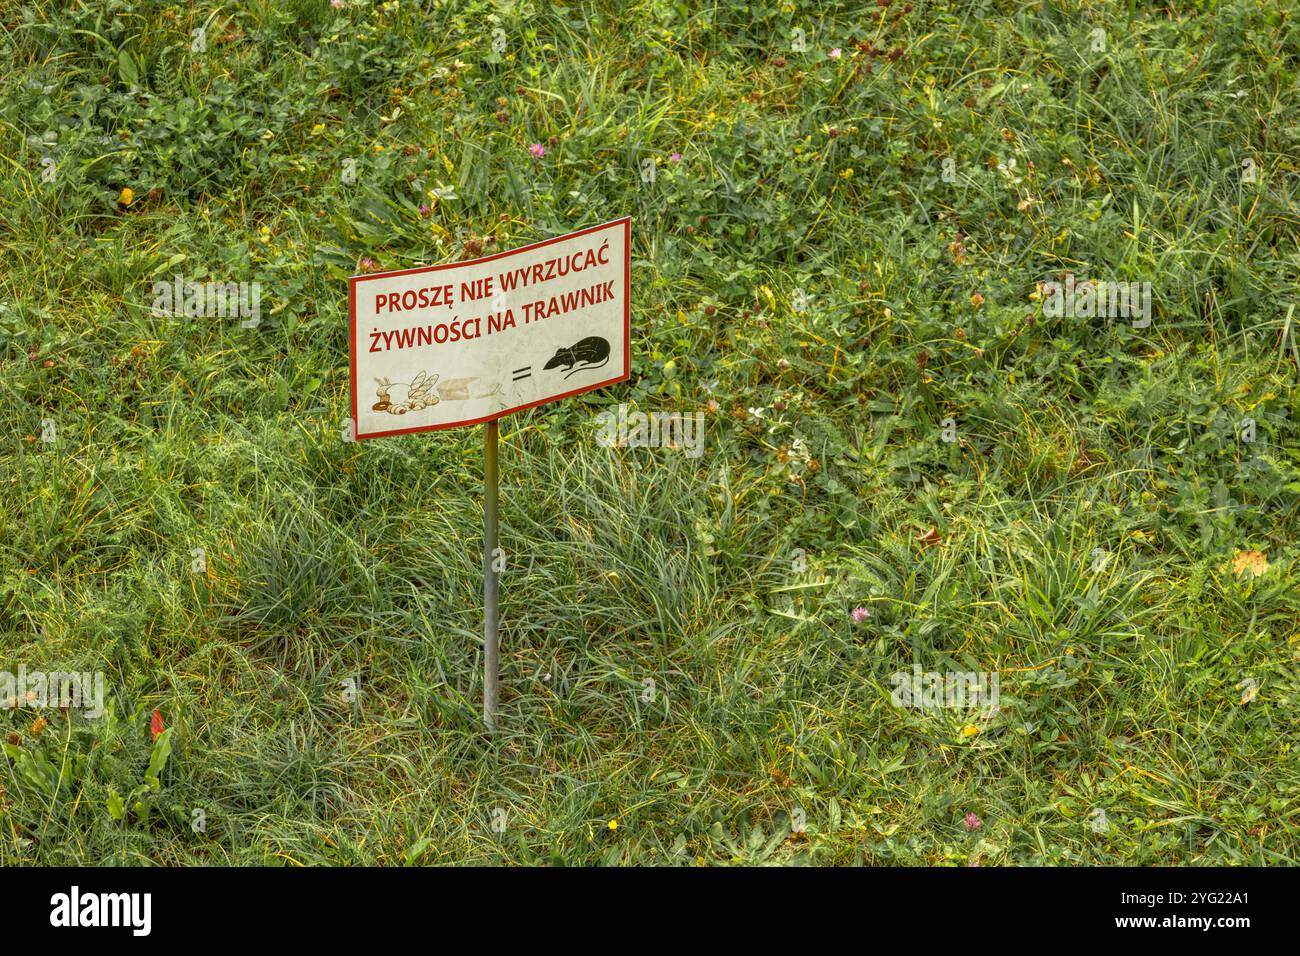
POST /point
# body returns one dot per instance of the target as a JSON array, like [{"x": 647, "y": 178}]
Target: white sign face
[{"x": 466, "y": 342}]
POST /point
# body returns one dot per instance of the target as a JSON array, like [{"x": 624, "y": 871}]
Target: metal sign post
[{"x": 491, "y": 638}]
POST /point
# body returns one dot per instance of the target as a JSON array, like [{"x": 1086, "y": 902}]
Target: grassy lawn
[{"x": 839, "y": 259}]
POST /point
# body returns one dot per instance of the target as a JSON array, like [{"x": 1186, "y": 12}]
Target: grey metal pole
[{"x": 491, "y": 639}]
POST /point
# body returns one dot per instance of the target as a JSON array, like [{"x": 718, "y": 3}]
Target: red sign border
[{"x": 354, "y": 281}]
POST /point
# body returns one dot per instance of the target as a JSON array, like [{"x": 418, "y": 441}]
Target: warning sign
[{"x": 466, "y": 342}]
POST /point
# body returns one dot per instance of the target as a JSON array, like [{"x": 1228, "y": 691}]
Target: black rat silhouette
[{"x": 591, "y": 352}]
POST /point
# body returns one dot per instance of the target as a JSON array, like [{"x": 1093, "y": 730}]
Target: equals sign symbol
[{"x": 525, "y": 372}]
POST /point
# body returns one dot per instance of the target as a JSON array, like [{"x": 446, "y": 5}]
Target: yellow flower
[
  {"x": 127, "y": 196},
  {"x": 847, "y": 173},
  {"x": 613, "y": 824},
  {"x": 970, "y": 730},
  {"x": 318, "y": 129}
]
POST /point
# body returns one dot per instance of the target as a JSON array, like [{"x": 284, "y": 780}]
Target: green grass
[{"x": 728, "y": 581}]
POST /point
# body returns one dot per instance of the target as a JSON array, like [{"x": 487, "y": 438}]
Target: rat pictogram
[{"x": 591, "y": 352}]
